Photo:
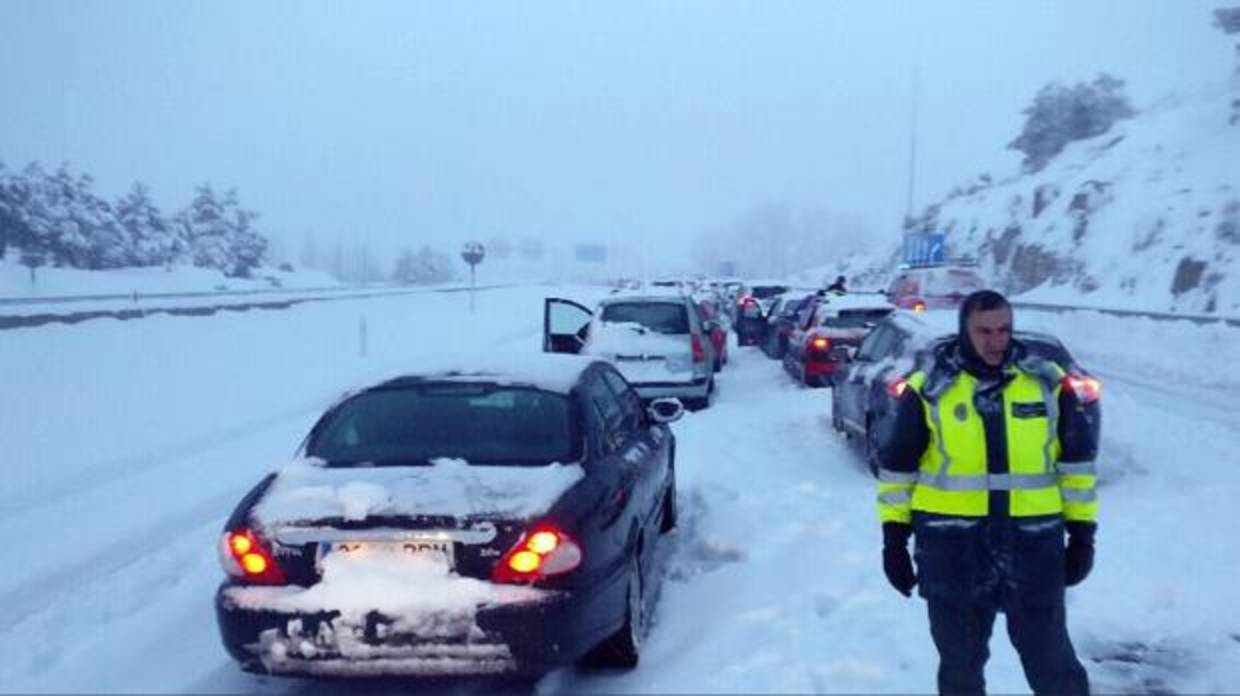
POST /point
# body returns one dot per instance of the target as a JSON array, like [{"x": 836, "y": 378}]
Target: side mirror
[{"x": 665, "y": 410}]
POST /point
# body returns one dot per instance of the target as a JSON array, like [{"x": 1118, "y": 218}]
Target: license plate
[{"x": 435, "y": 549}]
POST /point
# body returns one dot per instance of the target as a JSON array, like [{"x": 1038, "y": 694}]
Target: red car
[
  {"x": 819, "y": 347},
  {"x": 933, "y": 287}
]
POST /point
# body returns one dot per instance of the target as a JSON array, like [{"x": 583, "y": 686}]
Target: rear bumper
[
  {"x": 698, "y": 388},
  {"x": 820, "y": 368},
  {"x": 750, "y": 331},
  {"x": 527, "y": 637}
]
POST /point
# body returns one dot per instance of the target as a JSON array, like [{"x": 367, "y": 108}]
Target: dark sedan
[
  {"x": 751, "y": 312},
  {"x": 459, "y": 521},
  {"x": 787, "y": 312},
  {"x": 862, "y": 402}
]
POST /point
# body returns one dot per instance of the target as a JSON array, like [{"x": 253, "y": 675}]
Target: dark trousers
[{"x": 1039, "y": 633}]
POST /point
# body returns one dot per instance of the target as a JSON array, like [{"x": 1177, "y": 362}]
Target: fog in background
[{"x": 642, "y": 124}]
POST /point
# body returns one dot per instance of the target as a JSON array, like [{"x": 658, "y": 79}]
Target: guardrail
[
  {"x": 136, "y": 296},
  {"x": 1160, "y": 316},
  {"x": 33, "y": 320}
]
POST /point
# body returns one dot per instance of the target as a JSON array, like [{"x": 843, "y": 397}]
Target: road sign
[
  {"x": 473, "y": 252},
  {"x": 591, "y": 253},
  {"x": 926, "y": 249}
]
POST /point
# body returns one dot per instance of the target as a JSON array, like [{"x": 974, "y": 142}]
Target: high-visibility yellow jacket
[{"x": 954, "y": 475}]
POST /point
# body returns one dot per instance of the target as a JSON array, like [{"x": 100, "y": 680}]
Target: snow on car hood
[{"x": 305, "y": 490}]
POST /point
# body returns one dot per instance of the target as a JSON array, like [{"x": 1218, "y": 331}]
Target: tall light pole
[
  {"x": 912, "y": 153},
  {"x": 472, "y": 253}
]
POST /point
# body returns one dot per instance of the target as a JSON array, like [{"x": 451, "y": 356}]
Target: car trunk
[
  {"x": 467, "y": 547},
  {"x": 643, "y": 356}
]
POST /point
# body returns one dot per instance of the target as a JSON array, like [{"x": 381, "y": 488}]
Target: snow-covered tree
[
  {"x": 219, "y": 234},
  {"x": 338, "y": 267},
  {"x": 776, "y": 240},
  {"x": 309, "y": 257},
  {"x": 433, "y": 266},
  {"x": 1228, "y": 19},
  {"x": 247, "y": 247},
  {"x": 499, "y": 247},
  {"x": 204, "y": 229},
  {"x": 406, "y": 265},
  {"x": 152, "y": 240},
  {"x": 1060, "y": 115},
  {"x": 9, "y": 220}
]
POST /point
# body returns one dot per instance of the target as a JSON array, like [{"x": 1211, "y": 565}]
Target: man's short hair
[{"x": 982, "y": 301}]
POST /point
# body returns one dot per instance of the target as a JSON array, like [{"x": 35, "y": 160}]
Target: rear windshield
[
  {"x": 660, "y": 317},
  {"x": 856, "y": 318},
  {"x": 480, "y": 423},
  {"x": 761, "y": 292}
]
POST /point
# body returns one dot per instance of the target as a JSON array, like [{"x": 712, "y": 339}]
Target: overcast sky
[{"x": 406, "y": 122}]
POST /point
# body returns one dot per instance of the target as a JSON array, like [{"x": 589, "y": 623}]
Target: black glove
[
  {"x": 896, "y": 562},
  {"x": 1079, "y": 557}
]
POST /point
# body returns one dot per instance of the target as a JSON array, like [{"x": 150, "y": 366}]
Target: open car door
[{"x": 565, "y": 324}]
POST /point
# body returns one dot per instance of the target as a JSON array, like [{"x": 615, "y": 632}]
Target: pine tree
[
  {"x": 219, "y": 233},
  {"x": 247, "y": 247},
  {"x": 8, "y": 218},
  {"x": 205, "y": 230},
  {"x": 1060, "y": 115},
  {"x": 309, "y": 252},
  {"x": 405, "y": 266},
  {"x": 151, "y": 238}
]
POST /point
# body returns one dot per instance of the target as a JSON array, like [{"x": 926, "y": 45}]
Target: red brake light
[
  {"x": 896, "y": 387},
  {"x": 243, "y": 554},
  {"x": 919, "y": 306},
  {"x": 1087, "y": 389},
  {"x": 699, "y": 355},
  {"x": 820, "y": 343},
  {"x": 544, "y": 552}
]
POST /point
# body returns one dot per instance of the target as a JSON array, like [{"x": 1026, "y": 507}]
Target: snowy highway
[{"x": 128, "y": 443}]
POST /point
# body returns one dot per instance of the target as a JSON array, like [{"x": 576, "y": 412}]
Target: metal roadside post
[{"x": 472, "y": 252}]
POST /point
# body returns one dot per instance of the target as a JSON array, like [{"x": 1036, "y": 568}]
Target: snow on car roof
[
  {"x": 929, "y": 326},
  {"x": 554, "y": 372},
  {"x": 853, "y": 301},
  {"x": 639, "y": 297}
]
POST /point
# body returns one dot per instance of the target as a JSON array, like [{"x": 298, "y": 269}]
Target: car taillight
[
  {"x": 699, "y": 355},
  {"x": 919, "y": 306},
  {"x": 1087, "y": 389},
  {"x": 896, "y": 387},
  {"x": 820, "y": 343},
  {"x": 541, "y": 552},
  {"x": 244, "y": 555}
]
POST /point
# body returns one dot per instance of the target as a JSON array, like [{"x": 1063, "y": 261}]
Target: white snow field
[{"x": 127, "y": 444}]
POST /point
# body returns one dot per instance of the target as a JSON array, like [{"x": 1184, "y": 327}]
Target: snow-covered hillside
[{"x": 1145, "y": 216}]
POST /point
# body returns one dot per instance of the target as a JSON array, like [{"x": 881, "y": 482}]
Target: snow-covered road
[{"x": 129, "y": 442}]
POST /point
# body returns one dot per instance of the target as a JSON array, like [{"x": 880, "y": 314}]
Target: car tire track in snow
[
  {"x": 1189, "y": 402},
  {"x": 51, "y": 490},
  {"x": 41, "y": 591},
  {"x": 766, "y": 490}
]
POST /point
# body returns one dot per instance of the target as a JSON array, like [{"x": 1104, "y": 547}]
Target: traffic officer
[{"x": 988, "y": 465}]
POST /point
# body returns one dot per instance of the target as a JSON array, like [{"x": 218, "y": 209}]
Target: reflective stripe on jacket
[{"x": 953, "y": 476}]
